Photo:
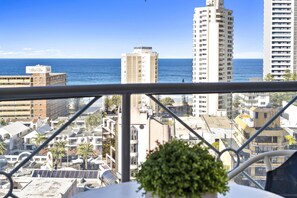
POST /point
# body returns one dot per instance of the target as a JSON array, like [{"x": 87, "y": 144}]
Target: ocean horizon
[{"x": 83, "y": 71}]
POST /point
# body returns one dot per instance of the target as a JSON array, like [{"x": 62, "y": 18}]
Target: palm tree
[
  {"x": 58, "y": 152},
  {"x": 85, "y": 150},
  {"x": 2, "y": 147},
  {"x": 93, "y": 120},
  {"x": 39, "y": 139}
]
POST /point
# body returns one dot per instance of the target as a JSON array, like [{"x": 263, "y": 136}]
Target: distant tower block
[
  {"x": 140, "y": 66},
  {"x": 212, "y": 55},
  {"x": 280, "y": 38}
]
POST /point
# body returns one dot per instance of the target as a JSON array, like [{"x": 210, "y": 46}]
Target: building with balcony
[
  {"x": 248, "y": 100},
  {"x": 145, "y": 132},
  {"x": 280, "y": 34},
  {"x": 212, "y": 55},
  {"x": 140, "y": 66},
  {"x": 270, "y": 139},
  {"x": 25, "y": 110}
]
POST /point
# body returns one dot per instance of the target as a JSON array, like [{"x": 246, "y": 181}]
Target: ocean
[{"x": 108, "y": 71}]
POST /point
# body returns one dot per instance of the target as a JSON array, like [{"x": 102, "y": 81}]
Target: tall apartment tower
[
  {"x": 212, "y": 55},
  {"x": 280, "y": 37},
  {"x": 140, "y": 66}
]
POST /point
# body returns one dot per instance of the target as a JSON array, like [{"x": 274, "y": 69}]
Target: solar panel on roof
[{"x": 66, "y": 174}]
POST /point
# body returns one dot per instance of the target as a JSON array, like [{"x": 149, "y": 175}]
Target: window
[
  {"x": 260, "y": 171},
  {"x": 265, "y": 115},
  {"x": 133, "y": 148}
]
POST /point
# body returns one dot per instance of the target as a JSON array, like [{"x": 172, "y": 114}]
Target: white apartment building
[
  {"x": 212, "y": 55},
  {"x": 140, "y": 66},
  {"x": 248, "y": 100},
  {"x": 280, "y": 37},
  {"x": 145, "y": 131}
]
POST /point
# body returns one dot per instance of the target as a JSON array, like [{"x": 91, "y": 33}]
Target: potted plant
[{"x": 179, "y": 169}]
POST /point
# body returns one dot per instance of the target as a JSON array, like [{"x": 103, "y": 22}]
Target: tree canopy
[
  {"x": 58, "y": 151},
  {"x": 112, "y": 103},
  {"x": 85, "y": 150},
  {"x": 167, "y": 101},
  {"x": 93, "y": 120},
  {"x": 39, "y": 139}
]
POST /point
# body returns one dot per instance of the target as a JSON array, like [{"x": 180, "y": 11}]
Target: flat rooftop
[
  {"x": 217, "y": 122},
  {"x": 43, "y": 188}
]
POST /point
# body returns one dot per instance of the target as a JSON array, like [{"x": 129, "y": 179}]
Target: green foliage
[
  {"x": 58, "y": 152},
  {"x": 93, "y": 120},
  {"x": 3, "y": 122},
  {"x": 2, "y": 147},
  {"x": 106, "y": 146},
  {"x": 236, "y": 102},
  {"x": 287, "y": 75},
  {"x": 112, "y": 104},
  {"x": 277, "y": 97},
  {"x": 167, "y": 101},
  {"x": 39, "y": 139},
  {"x": 183, "y": 170},
  {"x": 85, "y": 150},
  {"x": 268, "y": 77}
]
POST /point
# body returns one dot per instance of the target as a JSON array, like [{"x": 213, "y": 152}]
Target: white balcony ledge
[{"x": 129, "y": 190}]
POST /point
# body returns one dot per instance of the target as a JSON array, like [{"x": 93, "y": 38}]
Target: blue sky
[{"x": 108, "y": 28}]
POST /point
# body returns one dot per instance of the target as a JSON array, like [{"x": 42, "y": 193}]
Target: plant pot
[{"x": 206, "y": 195}]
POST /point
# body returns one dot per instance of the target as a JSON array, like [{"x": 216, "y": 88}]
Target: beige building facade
[
  {"x": 24, "y": 110},
  {"x": 140, "y": 66},
  {"x": 271, "y": 139}
]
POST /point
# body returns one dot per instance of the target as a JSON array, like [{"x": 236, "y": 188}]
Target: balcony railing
[{"x": 126, "y": 90}]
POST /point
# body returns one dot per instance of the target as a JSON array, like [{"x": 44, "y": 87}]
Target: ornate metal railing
[{"x": 126, "y": 90}]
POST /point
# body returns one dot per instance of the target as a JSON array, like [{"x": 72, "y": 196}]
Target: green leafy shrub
[{"x": 182, "y": 170}]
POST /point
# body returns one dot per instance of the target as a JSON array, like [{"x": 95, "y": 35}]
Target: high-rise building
[
  {"x": 25, "y": 110},
  {"x": 212, "y": 55},
  {"x": 140, "y": 66},
  {"x": 280, "y": 37}
]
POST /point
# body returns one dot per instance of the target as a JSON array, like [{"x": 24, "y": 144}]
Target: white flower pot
[{"x": 206, "y": 195}]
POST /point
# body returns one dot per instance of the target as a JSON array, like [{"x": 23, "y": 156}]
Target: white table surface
[{"x": 128, "y": 190}]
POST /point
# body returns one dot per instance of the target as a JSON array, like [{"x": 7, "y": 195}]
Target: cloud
[
  {"x": 30, "y": 53},
  {"x": 27, "y": 49}
]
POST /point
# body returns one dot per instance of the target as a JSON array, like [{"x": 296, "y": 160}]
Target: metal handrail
[
  {"x": 59, "y": 92},
  {"x": 126, "y": 90},
  {"x": 259, "y": 157}
]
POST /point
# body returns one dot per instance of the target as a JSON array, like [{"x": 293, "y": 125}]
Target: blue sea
[{"x": 108, "y": 71}]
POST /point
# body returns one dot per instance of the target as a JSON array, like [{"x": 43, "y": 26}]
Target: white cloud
[
  {"x": 27, "y": 49},
  {"x": 30, "y": 53}
]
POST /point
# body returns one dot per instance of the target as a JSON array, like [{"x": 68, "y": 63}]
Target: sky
[{"x": 108, "y": 28}]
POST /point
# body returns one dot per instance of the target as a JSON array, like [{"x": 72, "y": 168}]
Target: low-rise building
[
  {"x": 13, "y": 134},
  {"x": 270, "y": 139},
  {"x": 145, "y": 132}
]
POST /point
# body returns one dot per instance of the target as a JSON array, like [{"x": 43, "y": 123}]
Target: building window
[
  {"x": 265, "y": 115},
  {"x": 256, "y": 115},
  {"x": 133, "y": 133}
]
